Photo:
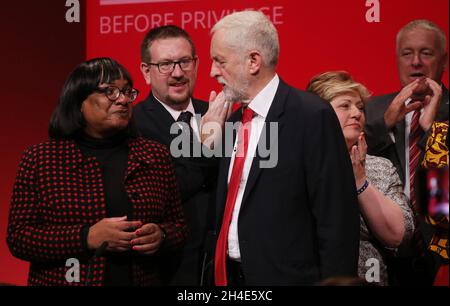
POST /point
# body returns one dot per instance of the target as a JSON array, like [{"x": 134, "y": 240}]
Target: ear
[
  {"x": 145, "y": 69},
  {"x": 255, "y": 62},
  {"x": 197, "y": 62}
]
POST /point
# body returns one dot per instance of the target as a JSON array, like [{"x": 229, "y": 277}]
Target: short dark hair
[
  {"x": 167, "y": 31},
  {"x": 67, "y": 121}
]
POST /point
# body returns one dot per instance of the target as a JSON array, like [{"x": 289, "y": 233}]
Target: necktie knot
[
  {"x": 185, "y": 117},
  {"x": 247, "y": 115}
]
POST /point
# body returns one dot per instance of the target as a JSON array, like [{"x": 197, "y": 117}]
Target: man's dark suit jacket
[
  {"x": 377, "y": 134},
  {"x": 299, "y": 221},
  {"x": 408, "y": 268},
  {"x": 196, "y": 176}
]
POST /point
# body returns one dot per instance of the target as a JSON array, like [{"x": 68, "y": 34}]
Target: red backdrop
[
  {"x": 315, "y": 36},
  {"x": 39, "y": 48},
  {"x": 42, "y": 48}
]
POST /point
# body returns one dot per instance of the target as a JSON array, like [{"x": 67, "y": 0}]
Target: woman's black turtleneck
[{"x": 112, "y": 155}]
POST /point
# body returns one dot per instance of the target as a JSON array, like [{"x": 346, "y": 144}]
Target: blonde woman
[{"x": 386, "y": 218}]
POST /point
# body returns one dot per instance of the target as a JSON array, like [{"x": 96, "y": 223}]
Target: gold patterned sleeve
[{"x": 436, "y": 148}]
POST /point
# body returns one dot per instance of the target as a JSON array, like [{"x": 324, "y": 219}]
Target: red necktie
[
  {"x": 220, "y": 270},
  {"x": 414, "y": 154},
  {"x": 415, "y": 133}
]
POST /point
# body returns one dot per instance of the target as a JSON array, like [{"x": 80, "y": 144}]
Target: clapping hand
[
  {"x": 358, "y": 158},
  {"x": 397, "y": 110},
  {"x": 431, "y": 105}
]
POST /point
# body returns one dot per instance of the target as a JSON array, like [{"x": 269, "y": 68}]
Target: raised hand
[
  {"x": 431, "y": 105},
  {"x": 213, "y": 121},
  {"x": 397, "y": 110},
  {"x": 358, "y": 158}
]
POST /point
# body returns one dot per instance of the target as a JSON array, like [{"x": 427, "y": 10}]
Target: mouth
[
  {"x": 178, "y": 84},
  {"x": 121, "y": 112},
  {"x": 221, "y": 82},
  {"x": 354, "y": 125},
  {"x": 417, "y": 75}
]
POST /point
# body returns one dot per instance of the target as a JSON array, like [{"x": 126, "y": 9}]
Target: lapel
[
  {"x": 138, "y": 154},
  {"x": 159, "y": 119},
  {"x": 200, "y": 107},
  {"x": 222, "y": 179},
  {"x": 162, "y": 119},
  {"x": 442, "y": 114},
  {"x": 399, "y": 135},
  {"x": 274, "y": 115}
]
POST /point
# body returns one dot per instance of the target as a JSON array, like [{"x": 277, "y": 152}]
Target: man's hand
[
  {"x": 397, "y": 110},
  {"x": 213, "y": 121},
  {"x": 149, "y": 239},
  {"x": 431, "y": 105}
]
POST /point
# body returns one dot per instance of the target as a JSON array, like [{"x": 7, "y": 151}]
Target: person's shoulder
[
  {"x": 297, "y": 95},
  {"x": 48, "y": 147},
  {"x": 51, "y": 144},
  {"x": 386, "y": 98},
  {"x": 305, "y": 102},
  {"x": 141, "y": 105},
  {"x": 200, "y": 105}
]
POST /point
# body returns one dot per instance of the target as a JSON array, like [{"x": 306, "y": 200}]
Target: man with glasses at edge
[{"x": 169, "y": 64}]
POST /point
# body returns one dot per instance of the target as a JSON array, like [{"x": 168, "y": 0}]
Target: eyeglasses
[
  {"x": 113, "y": 93},
  {"x": 167, "y": 67}
]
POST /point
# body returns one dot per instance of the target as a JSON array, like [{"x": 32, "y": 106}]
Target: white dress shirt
[
  {"x": 176, "y": 113},
  {"x": 408, "y": 119},
  {"x": 260, "y": 106}
]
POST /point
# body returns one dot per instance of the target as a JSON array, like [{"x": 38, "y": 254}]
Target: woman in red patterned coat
[{"x": 95, "y": 205}]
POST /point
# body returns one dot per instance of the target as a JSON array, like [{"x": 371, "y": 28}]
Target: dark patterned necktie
[{"x": 186, "y": 118}]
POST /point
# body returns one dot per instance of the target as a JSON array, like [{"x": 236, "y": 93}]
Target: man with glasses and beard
[{"x": 169, "y": 64}]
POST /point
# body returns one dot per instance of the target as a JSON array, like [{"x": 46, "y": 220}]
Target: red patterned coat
[{"x": 58, "y": 191}]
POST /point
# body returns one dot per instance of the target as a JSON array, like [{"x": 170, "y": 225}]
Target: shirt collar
[
  {"x": 176, "y": 113},
  {"x": 263, "y": 100}
]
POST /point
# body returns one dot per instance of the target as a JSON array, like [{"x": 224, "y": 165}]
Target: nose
[
  {"x": 416, "y": 60},
  {"x": 215, "y": 72},
  {"x": 122, "y": 100},
  {"x": 356, "y": 112},
  {"x": 177, "y": 71}
]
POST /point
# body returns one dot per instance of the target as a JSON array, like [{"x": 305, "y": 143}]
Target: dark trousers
[{"x": 235, "y": 274}]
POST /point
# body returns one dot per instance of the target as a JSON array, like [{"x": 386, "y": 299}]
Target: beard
[
  {"x": 237, "y": 92},
  {"x": 179, "y": 98}
]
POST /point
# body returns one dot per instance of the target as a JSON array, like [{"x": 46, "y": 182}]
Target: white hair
[
  {"x": 251, "y": 30},
  {"x": 427, "y": 25}
]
